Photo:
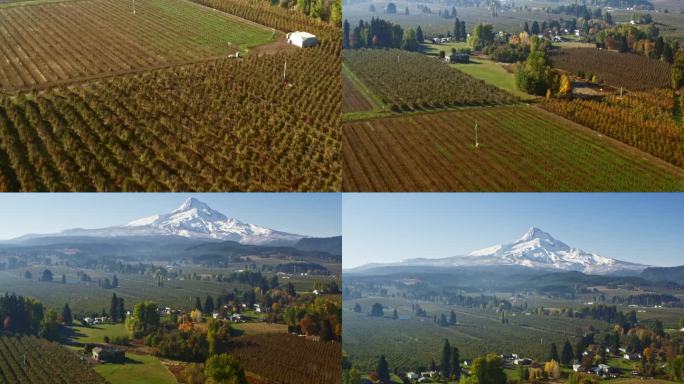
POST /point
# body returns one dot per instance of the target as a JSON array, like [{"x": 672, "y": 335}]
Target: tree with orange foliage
[{"x": 308, "y": 325}]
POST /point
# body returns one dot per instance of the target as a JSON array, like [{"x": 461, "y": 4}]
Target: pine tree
[
  {"x": 115, "y": 282},
  {"x": 419, "y": 35},
  {"x": 452, "y": 318},
  {"x": 456, "y": 363},
  {"x": 445, "y": 365},
  {"x": 209, "y": 305},
  {"x": 554, "y": 353},
  {"x": 114, "y": 309},
  {"x": 198, "y": 303},
  {"x": 395, "y": 315},
  {"x": 566, "y": 354},
  {"x": 383, "y": 370},
  {"x": 66, "y": 315},
  {"x": 345, "y": 34},
  {"x": 64, "y": 280}
]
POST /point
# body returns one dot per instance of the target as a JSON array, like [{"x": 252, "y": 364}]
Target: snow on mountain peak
[
  {"x": 195, "y": 219},
  {"x": 538, "y": 249}
]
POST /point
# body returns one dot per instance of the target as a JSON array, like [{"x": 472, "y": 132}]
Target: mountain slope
[
  {"x": 536, "y": 249},
  {"x": 193, "y": 219}
]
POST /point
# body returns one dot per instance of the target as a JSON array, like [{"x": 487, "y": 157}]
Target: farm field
[
  {"x": 353, "y": 100},
  {"x": 139, "y": 369},
  {"x": 615, "y": 69},
  {"x": 56, "y": 43},
  {"x": 170, "y": 130},
  {"x": 95, "y": 333},
  {"x": 494, "y": 74},
  {"x": 522, "y": 149},
  {"x": 88, "y": 297},
  {"x": 416, "y": 341},
  {"x": 406, "y": 81},
  {"x": 289, "y": 359},
  {"x": 646, "y": 120},
  {"x": 434, "y": 24},
  {"x": 28, "y": 359}
]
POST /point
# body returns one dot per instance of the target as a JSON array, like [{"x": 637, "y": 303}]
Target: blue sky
[
  {"x": 645, "y": 228},
  {"x": 312, "y": 214}
]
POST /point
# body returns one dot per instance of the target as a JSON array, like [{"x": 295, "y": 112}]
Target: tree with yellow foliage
[
  {"x": 565, "y": 85},
  {"x": 552, "y": 369},
  {"x": 196, "y": 315}
]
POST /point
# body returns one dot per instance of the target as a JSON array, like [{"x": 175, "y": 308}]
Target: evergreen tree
[
  {"x": 566, "y": 353},
  {"x": 457, "y": 30},
  {"x": 383, "y": 370},
  {"x": 198, "y": 303},
  {"x": 345, "y": 34},
  {"x": 535, "y": 30},
  {"x": 554, "y": 353},
  {"x": 395, "y": 315},
  {"x": 115, "y": 282},
  {"x": 452, "y": 318},
  {"x": 64, "y": 280},
  {"x": 121, "y": 312},
  {"x": 419, "y": 35},
  {"x": 66, "y": 315},
  {"x": 114, "y": 309},
  {"x": 445, "y": 365},
  {"x": 526, "y": 28},
  {"x": 456, "y": 363},
  {"x": 209, "y": 305}
]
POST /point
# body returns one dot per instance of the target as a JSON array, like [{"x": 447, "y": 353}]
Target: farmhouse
[
  {"x": 412, "y": 376},
  {"x": 109, "y": 355},
  {"x": 302, "y": 39}
]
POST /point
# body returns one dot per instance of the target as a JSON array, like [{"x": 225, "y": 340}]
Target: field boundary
[{"x": 377, "y": 103}]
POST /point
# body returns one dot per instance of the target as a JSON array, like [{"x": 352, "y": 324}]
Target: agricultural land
[
  {"x": 169, "y": 97},
  {"x": 456, "y": 95}
]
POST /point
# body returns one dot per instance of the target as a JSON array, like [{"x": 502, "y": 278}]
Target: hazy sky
[
  {"x": 313, "y": 214},
  {"x": 645, "y": 228}
]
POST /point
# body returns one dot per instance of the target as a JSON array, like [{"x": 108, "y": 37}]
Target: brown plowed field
[
  {"x": 522, "y": 149},
  {"x": 352, "y": 99}
]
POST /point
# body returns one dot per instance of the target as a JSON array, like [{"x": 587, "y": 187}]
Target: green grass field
[
  {"x": 96, "y": 333},
  {"x": 138, "y": 369},
  {"x": 492, "y": 73}
]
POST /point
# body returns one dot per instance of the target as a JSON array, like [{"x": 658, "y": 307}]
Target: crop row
[
  {"x": 412, "y": 81},
  {"x": 626, "y": 70},
  {"x": 224, "y": 125},
  {"x": 520, "y": 149},
  {"x": 54, "y": 43},
  {"x": 644, "y": 120},
  {"x": 288, "y": 359},
  {"x": 28, "y": 359}
]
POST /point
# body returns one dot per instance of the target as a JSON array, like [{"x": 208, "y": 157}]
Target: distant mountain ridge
[
  {"x": 536, "y": 249},
  {"x": 193, "y": 219}
]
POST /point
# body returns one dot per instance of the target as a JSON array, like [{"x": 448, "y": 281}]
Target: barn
[{"x": 302, "y": 39}]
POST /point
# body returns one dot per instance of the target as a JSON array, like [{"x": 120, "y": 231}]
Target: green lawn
[
  {"x": 492, "y": 73},
  {"x": 434, "y": 49},
  {"x": 96, "y": 334},
  {"x": 138, "y": 369}
]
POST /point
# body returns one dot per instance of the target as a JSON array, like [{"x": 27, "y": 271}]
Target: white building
[{"x": 302, "y": 39}]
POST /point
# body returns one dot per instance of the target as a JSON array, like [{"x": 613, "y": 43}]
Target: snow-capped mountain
[
  {"x": 193, "y": 219},
  {"x": 536, "y": 249}
]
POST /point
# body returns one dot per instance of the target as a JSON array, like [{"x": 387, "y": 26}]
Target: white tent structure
[{"x": 302, "y": 39}]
